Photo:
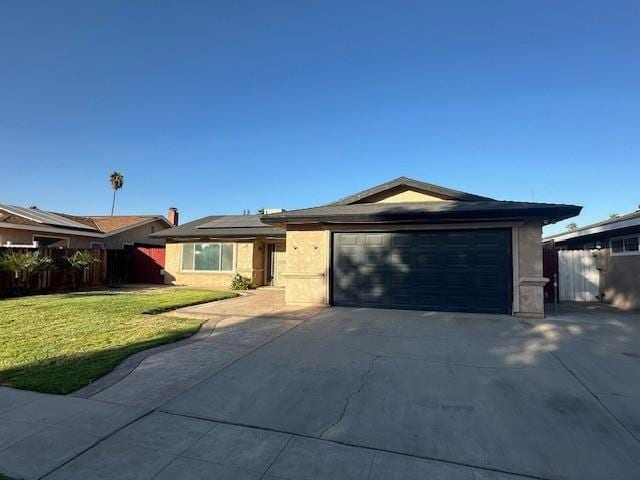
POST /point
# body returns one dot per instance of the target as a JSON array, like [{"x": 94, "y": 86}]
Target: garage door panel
[
  {"x": 374, "y": 239},
  {"x": 400, "y": 279},
  {"x": 400, "y": 239},
  {"x": 457, "y": 259},
  {"x": 422, "y": 280},
  {"x": 429, "y": 259},
  {"x": 430, "y": 240},
  {"x": 462, "y": 270},
  {"x": 378, "y": 258},
  {"x": 348, "y": 259},
  {"x": 348, "y": 239}
]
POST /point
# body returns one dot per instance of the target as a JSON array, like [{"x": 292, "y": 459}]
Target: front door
[{"x": 276, "y": 255}]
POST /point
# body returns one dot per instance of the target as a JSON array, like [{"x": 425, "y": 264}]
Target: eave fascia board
[
  {"x": 36, "y": 228},
  {"x": 632, "y": 222}
]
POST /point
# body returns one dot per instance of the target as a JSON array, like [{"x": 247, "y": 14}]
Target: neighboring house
[
  {"x": 616, "y": 245},
  {"x": 32, "y": 227},
  {"x": 402, "y": 244}
]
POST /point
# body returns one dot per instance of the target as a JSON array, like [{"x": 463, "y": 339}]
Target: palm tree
[
  {"x": 116, "y": 179},
  {"x": 613, "y": 216},
  {"x": 572, "y": 226}
]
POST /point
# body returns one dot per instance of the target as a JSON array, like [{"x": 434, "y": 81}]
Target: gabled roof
[
  {"x": 624, "y": 221},
  {"x": 425, "y": 211},
  {"x": 222, "y": 226},
  {"x": 428, "y": 188}
]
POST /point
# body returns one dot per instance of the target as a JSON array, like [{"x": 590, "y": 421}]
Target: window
[
  {"x": 207, "y": 257},
  {"x": 51, "y": 242},
  {"x": 617, "y": 246},
  {"x": 628, "y": 245},
  {"x": 96, "y": 245}
]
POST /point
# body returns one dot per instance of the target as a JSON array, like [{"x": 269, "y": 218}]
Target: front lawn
[{"x": 59, "y": 343}]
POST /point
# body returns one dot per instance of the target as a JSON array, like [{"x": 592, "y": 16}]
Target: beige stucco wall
[
  {"x": 307, "y": 267},
  {"x": 308, "y": 254},
  {"x": 402, "y": 195},
  {"x": 25, "y": 237},
  {"x": 248, "y": 258},
  {"x": 527, "y": 273}
]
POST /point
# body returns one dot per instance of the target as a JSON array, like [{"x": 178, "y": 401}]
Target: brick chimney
[{"x": 173, "y": 216}]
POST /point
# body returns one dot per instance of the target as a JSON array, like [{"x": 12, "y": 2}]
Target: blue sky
[{"x": 216, "y": 107}]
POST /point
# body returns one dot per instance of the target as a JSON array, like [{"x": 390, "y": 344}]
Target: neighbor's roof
[
  {"x": 108, "y": 224},
  {"x": 223, "y": 226},
  {"x": 428, "y": 188},
  {"x": 425, "y": 211},
  {"x": 612, "y": 224},
  {"x": 98, "y": 224},
  {"x": 35, "y": 216}
]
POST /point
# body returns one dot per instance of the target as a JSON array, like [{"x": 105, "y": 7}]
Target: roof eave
[
  {"x": 547, "y": 215},
  {"x": 587, "y": 231}
]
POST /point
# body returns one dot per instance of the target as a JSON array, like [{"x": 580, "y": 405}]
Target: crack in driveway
[{"x": 347, "y": 401}]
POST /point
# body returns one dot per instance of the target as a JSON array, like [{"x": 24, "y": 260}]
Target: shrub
[
  {"x": 80, "y": 261},
  {"x": 23, "y": 265},
  {"x": 241, "y": 283},
  {"x": 30, "y": 263}
]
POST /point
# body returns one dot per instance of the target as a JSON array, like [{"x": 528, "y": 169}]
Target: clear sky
[{"x": 216, "y": 107}]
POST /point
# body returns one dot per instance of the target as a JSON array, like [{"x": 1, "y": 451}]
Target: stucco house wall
[
  {"x": 136, "y": 235},
  {"x": 25, "y": 237},
  {"x": 620, "y": 279},
  {"x": 527, "y": 272},
  {"x": 307, "y": 270}
]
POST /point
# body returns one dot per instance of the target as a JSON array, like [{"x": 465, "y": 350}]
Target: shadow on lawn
[{"x": 67, "y": 373}]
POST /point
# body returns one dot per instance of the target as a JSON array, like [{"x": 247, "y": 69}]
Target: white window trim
[
  {"x": 623, "y": 253},
  {"x": 33, "y": 238},
  {"x": 233, "y": 261}
]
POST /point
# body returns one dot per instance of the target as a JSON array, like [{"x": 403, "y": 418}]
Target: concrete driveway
[{"x": 383, "y": 394}]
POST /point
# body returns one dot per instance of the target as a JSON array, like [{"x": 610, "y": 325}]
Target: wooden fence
[{"x": 62, "y": 277}]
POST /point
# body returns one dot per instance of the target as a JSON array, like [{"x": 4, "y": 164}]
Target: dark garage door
[{"x": 452, "y": 270}]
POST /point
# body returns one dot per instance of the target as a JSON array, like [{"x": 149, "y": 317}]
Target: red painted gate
[{"x": 146, "y": 264}]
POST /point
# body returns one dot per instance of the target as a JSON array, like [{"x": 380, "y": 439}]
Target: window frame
[
  {"x": 624, "y": 253},
  {"x": 233, "y": 260}
]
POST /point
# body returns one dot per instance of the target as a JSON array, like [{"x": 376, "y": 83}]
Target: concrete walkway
[
  {"x": 234, "y": 328},
  {"x": 354, "y": 394},
  {"x": 40, "y": 432}
]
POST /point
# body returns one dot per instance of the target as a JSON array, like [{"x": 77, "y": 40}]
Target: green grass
[{"x": 59, "y": 343}]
